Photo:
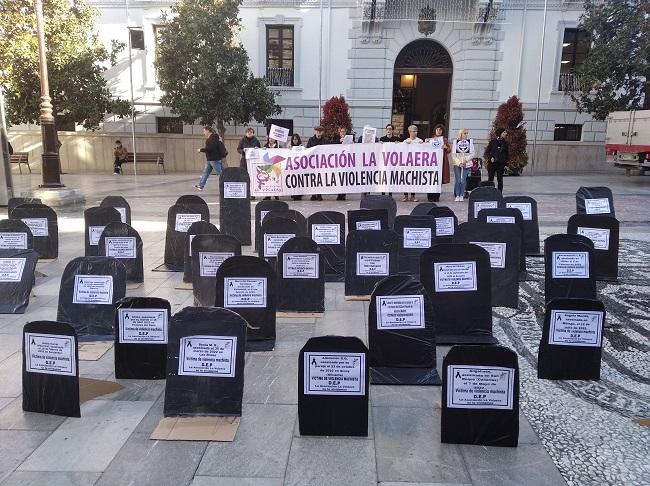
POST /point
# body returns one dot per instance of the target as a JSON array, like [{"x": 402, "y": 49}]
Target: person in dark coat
[
  {"x": 295, "y": 141},
  {"x": 317, "y": 139},
  {"x": 214, "y": 151},
  {"x": 249, "y": 140},
  {"x": 271, "y": 143},
  {"x": 497, "y": 156}
]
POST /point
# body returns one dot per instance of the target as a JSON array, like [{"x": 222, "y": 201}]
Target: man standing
[
  {"x": 389, "y": 137},
  {"x": 249, "y": 140},
  {"x": 214, "y": 151},
  {"x": 496, "y": 154},
  {"x": 317, "y": 139}
]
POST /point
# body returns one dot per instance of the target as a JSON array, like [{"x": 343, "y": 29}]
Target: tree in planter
[
  {"x": 510, "y": 116},
  {"x": 76, "y": 62},
  {"x": 203, "y": 69},
  {"x": 336, "y": 114}
]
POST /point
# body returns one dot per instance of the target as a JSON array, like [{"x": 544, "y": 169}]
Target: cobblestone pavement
[{"x": 580, "y": 432}]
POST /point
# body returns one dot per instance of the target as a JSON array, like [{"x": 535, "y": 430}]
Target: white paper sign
[
  {"x": 575, "y": 328},
  {"x": 347, "y": 140},
  {"x": 142, "y": 326},
  {"x": 570, "y": 264},
  {"x": 369, "y": 134},
  {"x": 207, "y": 356},
  {"x": 50, "y": 354},
  {"x": 600, "y": 236},
  {"x": 501, "y": 219},
  {"x": 480, "y": 387},
  {"x": 417, "y": 237},
  {"x": 189, "y": 250},
  {"x": 368, "y": 225},
  {"x": 455, "y": 276},
  {"x": 210, "y": 261},
  {"x": 526, "y": 209},
  {"x": 478, "y": 205},
  {"x": 274, "y": 241},
  {"x": 372, "y": 264},
  {"x": 263, "y": 215},
  {"x": 234, "y": 190},
  {"x": 400, "y": 312},
  {"x": 38, "y": 226},
  {"x": 13, "y": 241},
  {"x": 244, "y": 292},
  {"x": 11, "y": 269},
  {"x": 300, "y": 265},
  {"x": 280, "y": 134},
  {"x": 335, "y": 373},
  {"x": 445, "y": 226},
  {"x": 122, "y": 212},
  {"x": 497, "y": 252},
  {"x": 121, "y": 246},
  {"x": 597, "y": 206},
  {"x": 326, "y": 234},
  {"x": 93, "y": 289},
  {"x": 94, "y": 232},
  {"x": 185, "y": 220}
]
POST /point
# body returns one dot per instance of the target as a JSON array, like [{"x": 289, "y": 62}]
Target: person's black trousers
[{"x": 498, "y": 170}]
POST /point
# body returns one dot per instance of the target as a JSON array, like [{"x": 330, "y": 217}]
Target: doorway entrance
[{"x": 421, "y": 87}]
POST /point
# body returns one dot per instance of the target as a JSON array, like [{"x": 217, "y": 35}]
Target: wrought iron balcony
[
  {"x": 279, "y": 76},
  {"x": 569, "y": 82}
]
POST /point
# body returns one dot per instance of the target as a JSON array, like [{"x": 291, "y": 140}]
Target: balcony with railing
[
  {"x": 279, "y": 76},
  {"x": 569, "y": 82}
]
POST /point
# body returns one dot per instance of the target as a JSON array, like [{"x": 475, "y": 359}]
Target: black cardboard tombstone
[
  {"x": 503, "y": 244},
  {"x": 595, "y": 200},
  {"x": 508, "y": 216},
  {"x": 95, "y": 220},
  {"x": 50, "y": 370},
  {"x": 263, "y": 208},
  {"x": 291, "y": 214},
  {"x": 401, "y": 334},
  {"x": 327, "y": 229},
  {"x": 333, "y": 387},
  {"x": 121, "y": 241},
  {"x": 43, "y": 223},
  {"x": 367, "y": 219},
  {"x": 378, "y": 201},
  {"x": 528, "y": 208},
  {"x": 483, "y": 198},
  {"x": 276, "y": 232},
  {"x": 568, "y": 267},
  {"x": 15, "y": 235},
  {"x": 195, "y": 202},
  {"x": 572, "y": 340},
  {"x": 371, "y": 255},
  {"x": 208, "y": 253},
  {"x": 90, "y": 287},
  {"x": 205, "y": 363},
  {"x": 196, "y": 228},
  {"x": 14, "y": 202},
  {"x": 422, "y": 209},
  {"x": 480, "y": 396},
  {"x": 17, "y": 269},
  {"x": 416, "y": 234},
  {"x": 458, "y": 279},
  {"x": 301, "y": 283},
  {"x": 119, "y": 203},
  {"x": 446, "y": 223},
  {"x": 603, "y": 231},
  {"x": 247, "y": 285},
  {"x": 235, "y": 213},
  {"x": 179, "y": 220},
  {"x": 141, "y": 325}
]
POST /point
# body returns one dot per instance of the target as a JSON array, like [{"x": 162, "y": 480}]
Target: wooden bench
[
  {"x": 20, "y": 158},
  {"x": 157, "y": 158}
]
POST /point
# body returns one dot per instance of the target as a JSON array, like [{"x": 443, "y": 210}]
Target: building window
[
  {"x": 169, "y": 124},
  {"x": 279, "y": 55},
  {"x": 570, "y": 133},
  {"x": 575, "y": 47}
]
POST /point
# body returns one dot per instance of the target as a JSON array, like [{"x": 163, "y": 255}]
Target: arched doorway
[{"x": 421, "y": 87}]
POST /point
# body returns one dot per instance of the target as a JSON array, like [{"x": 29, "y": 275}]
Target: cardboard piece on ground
[
  {"x": 133, "y": 285},
  {"x": 184, "y": 286},
  {"x": 217, "y": 429},
  {"x": 93, "y": 351},
  {"x": 90, "y": 388}
]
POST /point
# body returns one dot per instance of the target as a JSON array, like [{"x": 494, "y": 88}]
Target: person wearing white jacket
[
  {"x": 412, "y": 139},
  {"x": 461, "y": 156}
]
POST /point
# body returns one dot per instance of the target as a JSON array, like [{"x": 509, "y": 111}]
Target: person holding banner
[
  {"x": 295, "y": 144},
  {"x": 249, "y": 140},
  {"x": 345, "y": 138},
  {"x": 462, "y": 153},
  {"x": 214, "y": 151},
  {"x": 438, "y": 140},
  {"x": 317, "y": 139},
  {"x": 270, "y": 144},
  {"x": 412, "y": 139}
]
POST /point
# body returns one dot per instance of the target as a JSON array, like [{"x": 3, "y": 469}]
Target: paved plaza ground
[{"x": 577, "y": 432}]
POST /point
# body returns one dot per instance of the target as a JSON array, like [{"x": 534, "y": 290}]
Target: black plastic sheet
[
  {"x": 416, "y": 234},
  {"x": 199, "y": 337},
  {"x": 528, "y": 208},
  {"x": 141, "y": 335},
  {"x": 483, "y": 198},
  {"x": 247, "y": 285},
  {"x": 119, "y": 203},
  {"x": 90, "y": 287},
  {"x": 121, "y": 241},
  {"x": 595, "y": 200},
  {"x": 95, "y": 220},
  {"x": 401, "y": 334},
  {"x": 197, "y": 228},
  {"x": 16, "y": 279},
  {"x": 572, "y": 340},
  {"x": 568, "y": 266},
  {"x": 196, "y": 203},
  {"x": 371, "y": 255},
  {"x": 50, "y": 369},
  {"x": 43, "y": 223},
  {"x": 327, "y": 405},
  {"x": 458, "y": 279},
  {"x": 508, "y": 216},
  {"x": 422, "y": 209},
  {"x": 490, "y": 395},
  {"x": 274, "y": 233},
  {"x": 446, "y": 223},
  {"x": 234, "y": 198},
  {"x": 179, "y": 220},
  {"x": 380, "y": 201},
  {"x": 367, "y": 219},
  {"x": 604, "y": 232},
  {"x": 263, "y": 208},
  {"x": 208, "y": 253},
  {"x": 14, "y": 202},
  {"x": 301, "y": 283},
  {"x": 15, "y": 235},
  {"x": 327, "y": 229}
]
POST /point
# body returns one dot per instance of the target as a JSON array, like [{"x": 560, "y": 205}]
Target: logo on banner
[{"x": 268, "y": 174}]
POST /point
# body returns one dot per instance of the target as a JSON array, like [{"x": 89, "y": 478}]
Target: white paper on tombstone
[
  {"x": 369, "y": 134},
  {"x": 368, "y": 225},
  {"x": 334, "y": 373},
  {"x": 244, "y": 292},
  {"x": 526, "y": 209},
  {"x": 372, "y": 264},
  {"x": 417, "y": 237},
  {"x": 400, "y": 312},
  {"x": 497, "y": 252},
  {"x": 189, "y": 250},
  {"x": 210, "y": 261},
  {"x": 300, "y": 265},
  {"x": 11, "y": 269},
  {"x": 185, "y": 220},
  {"x": 93, "y": 289},
  {"x": 455, "y": 276},
  {"x": 501, "y": 219},
  {"x": 234, "y": 190},
  {"x": 213, "y": 356},
  {"x": 274, "y": 241},
  {"x": 263, "y": 215},
  {"x": 280, "y": 134},
  {"x": 38, "y": 226},
  {"x": 13, "y": 241},
  {"x": 597, "y": 206},
  {"x": 445, "y": 226},
  {"x": 480, "y": 387},
  {"x": 600, "y": 236},
  {"x": 142, "y": 326},
  {"x": 120, "y": 246},
  {"x": 94, "y": 232},
  {"x": 50, "y": 354},
  {"x": 326, "y": 234},
  {"x": 575, "y": 328},
  {"x": 478, "y": 205},
  {"x": 570, "y": 264}
]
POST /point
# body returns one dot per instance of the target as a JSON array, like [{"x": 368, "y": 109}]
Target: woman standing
[
  {"x": 439, "y": 141},
  {"x": 462, "y": 153},
  {"x": 412, "y": 139},
  {"x": 295, "y": 141},
  {"x": 271, "y": 143}
]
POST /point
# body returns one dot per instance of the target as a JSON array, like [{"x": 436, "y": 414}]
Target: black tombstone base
[
  {"x": 261, "y": 345},
  {"x": 385, "y": 375}
]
